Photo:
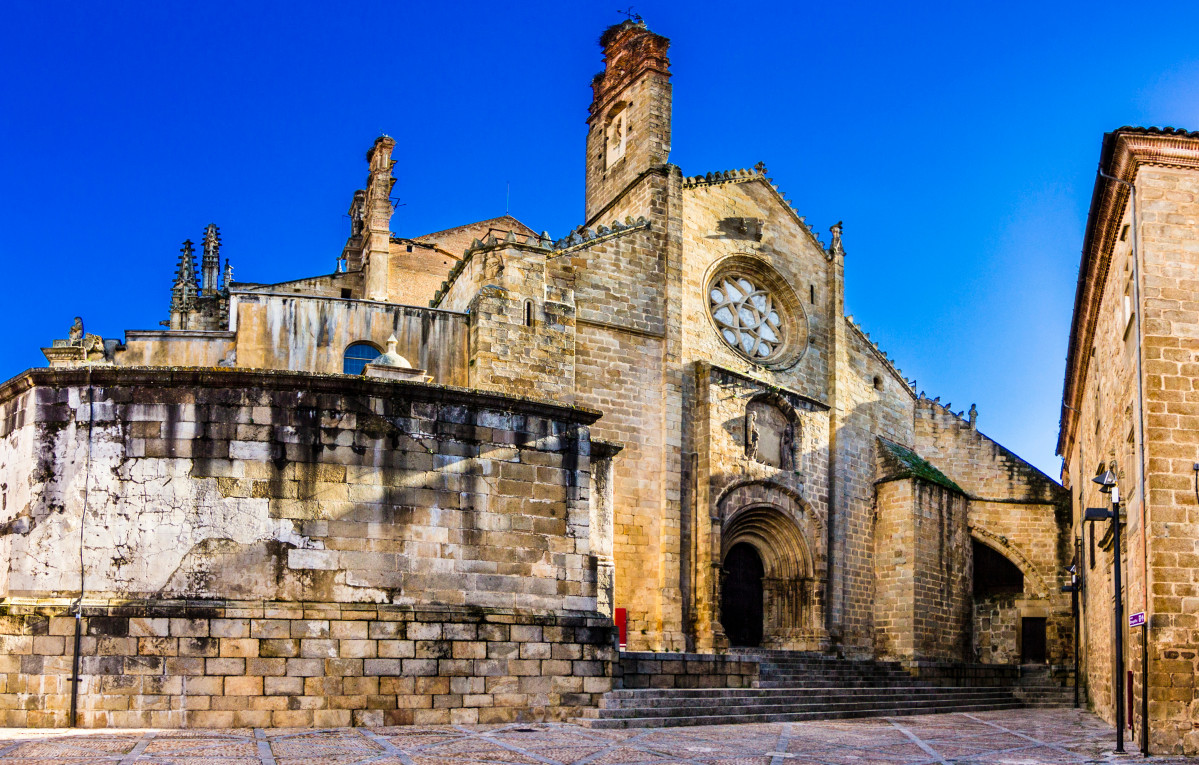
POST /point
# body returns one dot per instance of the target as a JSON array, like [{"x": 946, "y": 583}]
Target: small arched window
[{"x": 358, "y": 355}]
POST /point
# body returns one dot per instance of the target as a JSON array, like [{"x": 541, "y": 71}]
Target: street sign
[{"x": 1137, "y": 619}]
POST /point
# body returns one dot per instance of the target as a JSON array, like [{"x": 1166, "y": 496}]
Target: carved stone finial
[
  {"x": 836, "y": 231},
  {"x": 760, "y": 168},
  {"x": 210, "y": 264},
  {"x": 392, "y": 343},
  {"x": 76, "y": 333},
  {"x": 973, "y": 416}
]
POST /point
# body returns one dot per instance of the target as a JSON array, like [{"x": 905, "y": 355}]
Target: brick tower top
[
  {"x": 630, "y": 49},
  {"x": 629, "y": 118}
]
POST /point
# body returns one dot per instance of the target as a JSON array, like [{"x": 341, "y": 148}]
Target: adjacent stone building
[
  {"x": 1130, "y": 405},
  {"x": 664, "y": 414}
]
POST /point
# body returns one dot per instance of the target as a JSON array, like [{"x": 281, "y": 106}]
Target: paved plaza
[{"x": 1020, "y": 737}]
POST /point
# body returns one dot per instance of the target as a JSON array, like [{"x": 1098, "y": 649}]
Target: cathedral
[{"x": 508, "y": 442}]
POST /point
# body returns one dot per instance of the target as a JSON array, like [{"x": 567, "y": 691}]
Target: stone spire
[
  {"x": 184, "y": 289},
  {"x": 210, "y": 267},
  {"x": 228, "y": 277}
]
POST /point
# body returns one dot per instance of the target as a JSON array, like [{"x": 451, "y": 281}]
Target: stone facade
[
  {"x": 1130, "y": 406},
  {"x": 712, "y": 447}
]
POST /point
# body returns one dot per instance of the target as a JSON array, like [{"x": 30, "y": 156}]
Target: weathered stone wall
[
  {"x": 205, "y": 485},
  {"x": 328, "y": 285},
  {"x": 626, "y": 302},
  {"x": 1169, "y": 210},
  {"x": 894, "y": 570},
  {"x": 870, "y": 401},
  {"x": 415, "y": 272},
  {"x": 997, "y": 629},
  {"x": 942, "y": 600},
  {"x": 226, "y": 664},
  {"x": 778, "y": 242},
  {"x": 922, "y": 568},
  {"x": 163, "y": 348},
  {"x": 277, "y": 486},
  {"x": 522, "y": 321},
  {"x": 311, "y": 334}
]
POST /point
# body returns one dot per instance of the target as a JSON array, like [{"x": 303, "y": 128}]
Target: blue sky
[{"x": 958, "y": 142}]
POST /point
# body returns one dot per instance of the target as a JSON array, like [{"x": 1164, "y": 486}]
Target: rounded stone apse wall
[{"x": 256, "y": 548}]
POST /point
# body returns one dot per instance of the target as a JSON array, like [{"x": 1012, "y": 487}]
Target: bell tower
[{"x": 629, "y": 119}]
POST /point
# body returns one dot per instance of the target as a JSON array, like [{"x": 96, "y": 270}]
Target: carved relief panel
[{"x": 770, "y": 435}]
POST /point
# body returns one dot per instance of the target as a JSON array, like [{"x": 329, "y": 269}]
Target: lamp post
[
  {"x": 1107, "y": 485},
  {"x": 1074, "y": 588}
]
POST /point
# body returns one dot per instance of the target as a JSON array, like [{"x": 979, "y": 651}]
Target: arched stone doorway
[
  {"x": 766, "y": 539},
  {"x": 741, "y": 596}
]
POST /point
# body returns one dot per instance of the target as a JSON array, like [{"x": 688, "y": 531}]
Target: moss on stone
[{"x": 910, "y": 464}]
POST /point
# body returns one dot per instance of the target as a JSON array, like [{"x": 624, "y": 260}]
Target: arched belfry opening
[{"x": 767, "y": 588}]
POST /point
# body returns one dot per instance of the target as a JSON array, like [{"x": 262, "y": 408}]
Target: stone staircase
[
  {"x": 1037, "y": 687},
  {"x": 797, "y": 686}
]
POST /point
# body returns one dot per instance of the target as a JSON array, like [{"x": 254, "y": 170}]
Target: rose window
[{"x": 747, "y": 316}]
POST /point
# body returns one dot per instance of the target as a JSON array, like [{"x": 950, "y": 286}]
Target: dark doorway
[
  {"x": 741, "y": 596},
  {"x": 1032, "y": 640}
]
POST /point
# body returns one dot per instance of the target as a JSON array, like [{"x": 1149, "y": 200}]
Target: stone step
[
  {"x": 701, "y": 707},
  {"x": 770, "y": 693},
  {"x": 612, "y": 701},
  {"x": 817, "y": 674},
  {"x": 913, "y": 705},
  {"x": 835, "y": 684},
  {"x": 825, "y": 714}
]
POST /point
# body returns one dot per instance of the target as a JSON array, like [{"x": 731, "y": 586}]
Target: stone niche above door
[{"x": 771, "y": 433}]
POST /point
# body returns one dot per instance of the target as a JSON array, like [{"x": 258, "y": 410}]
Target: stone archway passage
[{"x": 741, "y": 596}]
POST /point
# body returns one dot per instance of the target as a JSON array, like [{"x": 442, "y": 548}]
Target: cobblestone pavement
[{"x": 1019, "y": 737}]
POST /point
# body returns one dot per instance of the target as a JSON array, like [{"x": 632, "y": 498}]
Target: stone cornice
[
  {"x": 765, "y": 385},
  {"x": 1122, "y": 154},
  {"x": 271, "y": 379}
]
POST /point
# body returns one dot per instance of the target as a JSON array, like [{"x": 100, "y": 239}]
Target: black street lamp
[
  {"x": 1074, "y": 588},
  {"x": 1107, "y": 485}
]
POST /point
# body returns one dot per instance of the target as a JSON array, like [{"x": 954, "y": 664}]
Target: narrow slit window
[{"x": 528, "y": 313}]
